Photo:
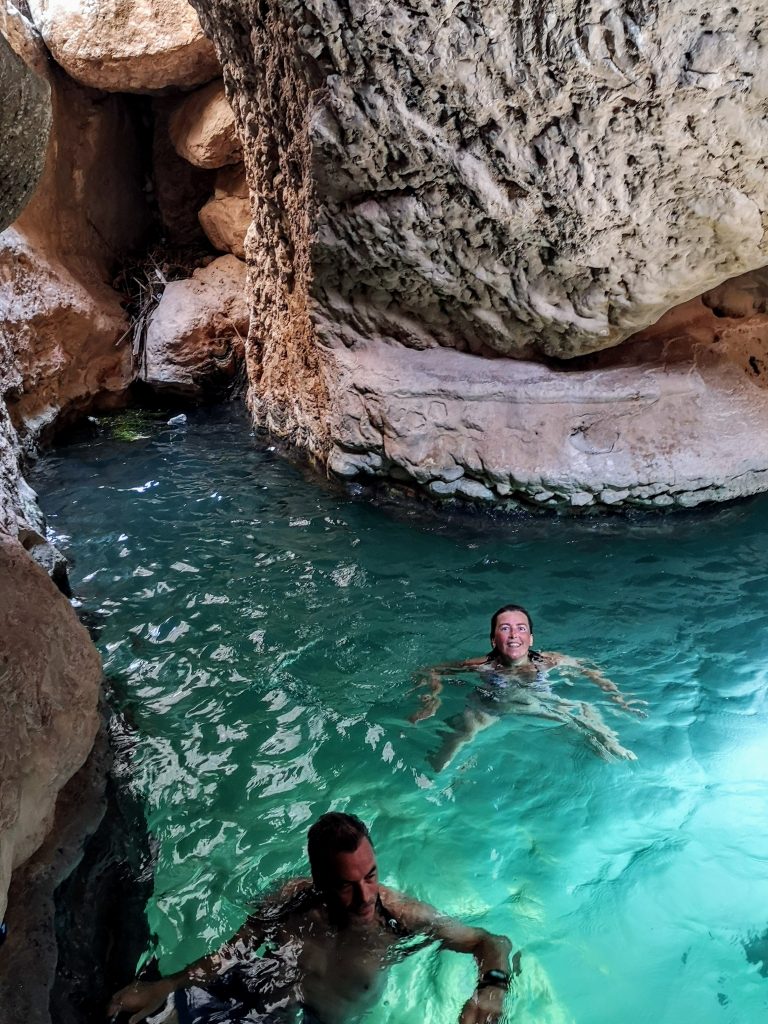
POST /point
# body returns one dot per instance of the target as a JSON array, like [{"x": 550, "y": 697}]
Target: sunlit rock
[
  {"x": 126, "y": 45},
  {"x": 202, "y": 128},
  {"x": 195, "y": 340},
  {"x": 226, "y": 217}
]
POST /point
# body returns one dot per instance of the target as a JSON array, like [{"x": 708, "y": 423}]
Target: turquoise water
[{"x": 259, "y": 631}]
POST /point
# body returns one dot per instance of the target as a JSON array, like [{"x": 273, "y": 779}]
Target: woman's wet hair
[
  {"x": 333, "y": 833},
  {"x": 510, "y": 608}
]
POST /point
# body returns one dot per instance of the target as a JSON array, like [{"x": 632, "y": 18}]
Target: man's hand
[
  {"x": 141, "y": 998},
  {"x": 485, "y": 1006}
]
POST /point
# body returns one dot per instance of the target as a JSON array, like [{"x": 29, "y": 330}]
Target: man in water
[
  {"x": 328, "y": 941},
  {"x": 514, "y": 681}
]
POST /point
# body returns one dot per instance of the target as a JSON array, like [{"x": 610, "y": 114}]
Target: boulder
[
  {"x": 195, "y": 340},
  {"x": 50, "y": 679},
  {"x": 127, "y": 45},
  {"x": 226, "y": 217},
  {"x": 202, "y": 128},
  {"x": 25, "y": 121},
  {"x": 433, "y": 192}
]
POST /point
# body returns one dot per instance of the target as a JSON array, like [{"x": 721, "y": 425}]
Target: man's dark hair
[
  {"x": 332, "y": 833},
  {"x": 510, "y": 608}
]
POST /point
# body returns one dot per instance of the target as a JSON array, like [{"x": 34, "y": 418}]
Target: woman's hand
[{"x": 430, "y": 702}]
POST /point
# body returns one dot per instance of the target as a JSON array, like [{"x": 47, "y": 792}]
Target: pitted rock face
[
  {"x": 530, "y": 178},
  {"x": 126, "y": 45},
  {"x": 25, "y": 120},
  {"x": 505, "y": 180}
]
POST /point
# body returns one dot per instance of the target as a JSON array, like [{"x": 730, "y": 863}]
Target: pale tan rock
[
  {"x": 195, "y": 340},
  {"x": 50, "y": 677},
  {"x": 24, "y": 39},
  {"x": 126, "y": 45},
  {"x": 202, "y": 129},
  {"x": 677, "y": 416},
  {"x": 226, "y": 217}
]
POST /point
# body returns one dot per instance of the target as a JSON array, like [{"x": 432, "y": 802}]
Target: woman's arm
[
  {"x": 432, "y": 679},
  {"x": 564, "y": 661}
]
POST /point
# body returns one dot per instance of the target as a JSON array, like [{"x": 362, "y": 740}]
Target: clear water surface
[{"x": 259, "y": 631}]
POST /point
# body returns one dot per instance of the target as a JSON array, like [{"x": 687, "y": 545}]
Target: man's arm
[
  {"x": 432, "y": 679},
  {"x": 142, "y": 998},
  {"x": 491, "y": 953}
]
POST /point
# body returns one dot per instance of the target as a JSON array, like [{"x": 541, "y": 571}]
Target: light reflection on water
[{"x": 259, "y": 632}]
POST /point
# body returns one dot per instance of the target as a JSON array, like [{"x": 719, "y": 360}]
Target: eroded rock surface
[
  {"x": 126, "y": 45},
  {"x": 532, "y": 181},
  {"x": 50, "y": 677},
  {"x": 632, "y": 428},
  {"x": 195, "y": 341},
  {"x": 25, "y": 120}
]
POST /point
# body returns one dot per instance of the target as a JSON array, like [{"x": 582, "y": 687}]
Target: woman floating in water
[{"x": 514, "y": 681}]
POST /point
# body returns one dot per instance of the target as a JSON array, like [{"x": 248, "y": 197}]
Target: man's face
[
  {"x": 512, "y": 637},
  {"x": 353, "y": 885}
]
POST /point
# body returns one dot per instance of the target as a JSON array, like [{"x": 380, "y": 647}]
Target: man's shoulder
[
  {"x": 407, "y": 910},
  {"x": 296, "y": 896}
]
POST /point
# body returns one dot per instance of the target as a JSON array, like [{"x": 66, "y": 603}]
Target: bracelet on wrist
[{"x": 494, "y": 979}]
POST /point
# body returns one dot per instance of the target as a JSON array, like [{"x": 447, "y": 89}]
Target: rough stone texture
[
  {"x": 25, "y": 120},
  {"x": 532, "y": 180},
  {"x": 226, "y": 217},
  {"x": 195, "y": 340},
  {"x": 202, "y": 128},
  {"x": 61, "y": 320},
  {"x": 126, "y": 45},
  {"x": 50, "y": 677}
]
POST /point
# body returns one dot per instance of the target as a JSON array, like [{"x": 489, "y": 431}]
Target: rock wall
[
  {"x": 434, "y": 189},
  {"x": 50, "y": 678},
  {"x": 25, "y": 118}
]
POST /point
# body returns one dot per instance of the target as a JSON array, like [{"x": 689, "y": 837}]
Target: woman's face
[{"x": 512, "y": 636}]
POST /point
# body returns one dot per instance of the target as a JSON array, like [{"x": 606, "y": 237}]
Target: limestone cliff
[{"x": 437, "y": 187}]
